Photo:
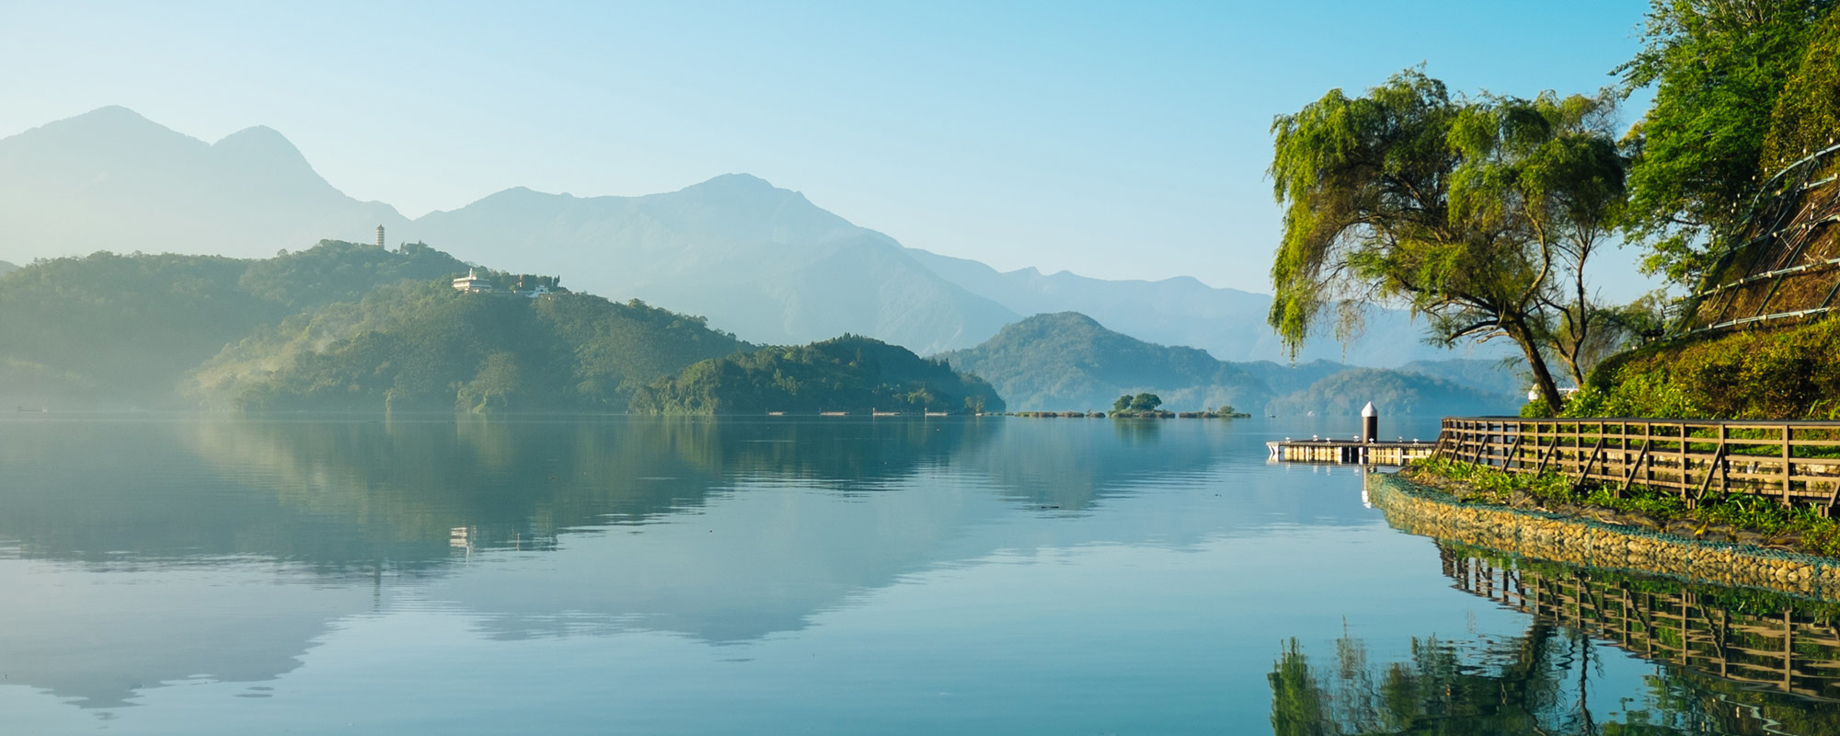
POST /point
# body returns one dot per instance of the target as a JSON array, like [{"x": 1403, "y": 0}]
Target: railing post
[
  {"x": 1725, "y": 466},
  {"x": 1787, "y": 432}
]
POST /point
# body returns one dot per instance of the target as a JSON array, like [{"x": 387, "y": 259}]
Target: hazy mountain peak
[
  {"x": 109, "y": 115},
  {"x": 257, "y": 138},
  {"x": 112, "y": 179},
  {"x": 746, "y": 191},
  {"x": 109, "y": 129},
  {"x": 1054, "y": 320},
  {"x": 267, "y": 153},
  {"x": 740, "y": 182}
]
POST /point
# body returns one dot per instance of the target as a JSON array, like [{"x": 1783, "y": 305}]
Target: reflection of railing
[
  {"x": 1792, "y": 461},
  {"x": 1769, "y": 640},
  {"x": 1781, "y": 267}
]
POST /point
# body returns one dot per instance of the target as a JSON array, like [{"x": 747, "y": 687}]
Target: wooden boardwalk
[{"x": 1794, "y": 462}]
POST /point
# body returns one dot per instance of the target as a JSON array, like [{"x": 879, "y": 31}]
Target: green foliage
[
  {"x": 1140, "y": 405},
  {"x": 849, "y": 373},
  {"x": 1439, "y": 689},
  {"x": 338, "y": 271},
  {"x": 123, "y": 327},
  {"x": 1786, "y": 373},
  {"x": 336, "y": 326},
  {"x": 31, "y": 385},
  {"x": 1718, "y": 69},
  {"x": 1534, "y": 682},
  {"x": 1748, "y": 512},
  {"x": 1807, "y": 113},
  {"x": 428, "y": 346},
  {"x": 1471, "y": 211},
  {"x": 6, "y": 268},
  {"x": 1067, "y": 361}
]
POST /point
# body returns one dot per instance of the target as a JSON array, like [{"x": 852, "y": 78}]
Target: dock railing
[{"x": 1794, "y": 462}]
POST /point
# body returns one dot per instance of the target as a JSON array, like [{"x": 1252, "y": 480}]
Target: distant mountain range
[
  {"x": 762, "y": 262},
  {"x": 113, "y": 180},
  {"x": 1069, "y": 362}
]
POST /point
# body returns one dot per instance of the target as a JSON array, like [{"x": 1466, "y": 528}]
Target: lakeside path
[{"x": 1424, "y": 511}]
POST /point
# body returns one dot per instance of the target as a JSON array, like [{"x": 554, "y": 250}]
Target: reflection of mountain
[
  {"x": 99, "y": 636},
  {"x": 176, "y": 575},
  {"x": 522, "y": 483},
  {"x": 1072, "y": 464},
  {"x": 1726, "y": 661},
  {"x": 223, "y": 549}
]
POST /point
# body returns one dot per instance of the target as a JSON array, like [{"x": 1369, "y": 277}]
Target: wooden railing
[{"x": 1795, "y": 462}]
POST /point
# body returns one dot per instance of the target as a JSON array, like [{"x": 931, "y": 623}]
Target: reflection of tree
[{"x": 1486, "y": 687}]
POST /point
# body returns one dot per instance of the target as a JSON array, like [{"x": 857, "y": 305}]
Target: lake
[{"x": 183, "y": 574}]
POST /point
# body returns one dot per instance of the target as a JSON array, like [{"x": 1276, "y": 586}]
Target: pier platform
[{"x": 1349, "y": 451}]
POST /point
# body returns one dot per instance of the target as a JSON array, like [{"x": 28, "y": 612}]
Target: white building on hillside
[{"x": 473, "y": 283}]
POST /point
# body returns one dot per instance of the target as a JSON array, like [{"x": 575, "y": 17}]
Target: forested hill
[
  {"x": 1068, "y": 361},
  {"x": 117, "y": 331},
  {"x": 426, "y": 346},
  {"x": 850, "y": 374},
  {"x": 6, "y": 268}
]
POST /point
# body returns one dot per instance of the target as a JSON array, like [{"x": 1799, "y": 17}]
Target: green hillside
[
  {"x": 849, "y": 373},
  {"x": 1068, "y": 361},
  {"x": 337, "y": 326},
  {"x": 6, "y": 268},
  {"x": 110, "y": 329},
  {"x": 1785, "y": 373},
  {"x": 338, "y": 271},
  {"x": 425, "y": 346}
]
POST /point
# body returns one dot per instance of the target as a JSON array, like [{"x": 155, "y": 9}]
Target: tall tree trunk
[{"x": 1542, "y": 378}]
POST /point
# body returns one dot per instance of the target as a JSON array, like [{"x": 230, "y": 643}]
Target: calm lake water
[{"x": 194, "y": 575}]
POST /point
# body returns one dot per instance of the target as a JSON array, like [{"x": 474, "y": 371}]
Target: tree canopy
[
  {"x": 1720, "y": 70},
  {"x": 848, "y": 374},
  {"x": 1480, "y": 214}
]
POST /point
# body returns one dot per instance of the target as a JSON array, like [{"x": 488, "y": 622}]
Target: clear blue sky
[{"x": 1121, "y": 140}]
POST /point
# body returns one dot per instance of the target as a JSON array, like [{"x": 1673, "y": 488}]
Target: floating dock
[{"x": 1349, "y": 451}]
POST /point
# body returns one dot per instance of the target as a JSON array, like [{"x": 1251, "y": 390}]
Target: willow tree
[
  {"x": 1480, "y": 215},
  {"x": 1552, "y": 165}
]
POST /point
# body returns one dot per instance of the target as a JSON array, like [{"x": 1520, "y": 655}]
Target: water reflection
[
  {"x": 193, "y": 536},
  {"x": 351, "y": 494},
  {"x": 1727, "y": 661},
  {"x": 168, "y": 561}
]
